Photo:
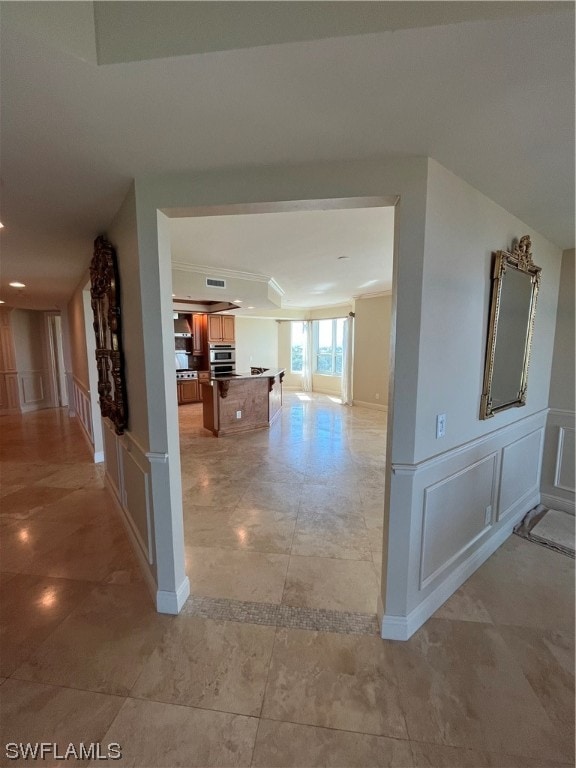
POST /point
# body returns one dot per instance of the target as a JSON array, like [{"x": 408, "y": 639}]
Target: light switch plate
[{"x": 440, "y": 425}]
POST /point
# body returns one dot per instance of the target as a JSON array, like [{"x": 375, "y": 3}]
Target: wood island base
[{"x": 242, "y": 403}]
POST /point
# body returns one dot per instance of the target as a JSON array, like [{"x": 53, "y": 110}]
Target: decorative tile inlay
[{"x": 313, "y": 619}]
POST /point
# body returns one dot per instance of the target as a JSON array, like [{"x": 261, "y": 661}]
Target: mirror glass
[{"x": 515, "y": 285}]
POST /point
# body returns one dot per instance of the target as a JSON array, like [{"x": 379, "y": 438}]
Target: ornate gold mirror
[
  {"x": 515, "y": 283},
  {"x": 105, "y": 295}
]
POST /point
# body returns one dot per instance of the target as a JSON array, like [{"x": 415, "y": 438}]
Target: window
[
  {"x": 328, "y": 346},
  {"x": 297, "y": 348}
]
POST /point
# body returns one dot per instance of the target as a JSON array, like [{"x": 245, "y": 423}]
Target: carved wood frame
[{"x": 105, "y": 299}]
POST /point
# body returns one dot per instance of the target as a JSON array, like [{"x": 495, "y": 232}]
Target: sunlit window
[
  {"x": 328, "y": 346},
  {"x": 297, "y": 349}
]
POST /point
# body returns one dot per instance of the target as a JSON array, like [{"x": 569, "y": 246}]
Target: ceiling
[
  {"x": 318, "y": 258},
  {"x": 488, "y": 92}
]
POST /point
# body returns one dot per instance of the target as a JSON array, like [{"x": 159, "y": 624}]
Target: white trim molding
[
  {"x": 557, "y": 487},
  {"x": 172, "y": 602},
  {"x": 558, "y": 482},
  {"x": 80, "y": 405},
  {"x": 448, "y": 513},
  {"x": 129, "y": 471},
  {"x": 403, "y": 627}
]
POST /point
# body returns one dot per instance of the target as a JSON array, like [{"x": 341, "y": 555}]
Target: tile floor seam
[
  {"x": 66, "y": 687},
  {"x": 187, "y": 706},
  {"x": 342, "y": 730},
  {"x": 291, "y": 546},
  {"x": 255, "y": 741},
  {"x": 266, "y": 683}
]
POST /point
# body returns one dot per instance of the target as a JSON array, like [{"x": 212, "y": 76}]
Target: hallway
[
  {"x": 489, "y": 681},
  {"x": 292, "y": 515}
]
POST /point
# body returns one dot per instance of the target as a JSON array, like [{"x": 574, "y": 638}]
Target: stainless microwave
[{"x": 222, "y": 354}]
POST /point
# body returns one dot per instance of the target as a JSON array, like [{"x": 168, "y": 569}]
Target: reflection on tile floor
[
  {"x": 489, "y": 681},
  {"x": 290, "y": 515}
]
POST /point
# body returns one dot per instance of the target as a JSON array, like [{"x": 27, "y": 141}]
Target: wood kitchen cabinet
[
  {"x": 220, "y": 329},
  {"x": 188, "y": 391},
  {"x": 202, "y": 376},
  {"x": 199, "y": 334}
]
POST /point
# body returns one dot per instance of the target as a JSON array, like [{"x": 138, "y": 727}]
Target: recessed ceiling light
[
  {"x": 17, "y": 285},
  {"x": 249, "y": 307},
  {"x": 236, "y": 301}
]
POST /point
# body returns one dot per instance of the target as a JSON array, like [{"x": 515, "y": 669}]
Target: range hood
[{"x": 181, "y": 327}]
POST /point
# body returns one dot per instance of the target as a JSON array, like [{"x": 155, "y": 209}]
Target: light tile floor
[
  {"x": 489, "y": 681},
  {"x": 290, "y": 515}
]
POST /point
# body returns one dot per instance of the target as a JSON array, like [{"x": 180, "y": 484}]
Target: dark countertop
[{"x": 269, "y": 374}]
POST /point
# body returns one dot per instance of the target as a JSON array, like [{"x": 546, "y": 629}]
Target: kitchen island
[{"x": 242, "y": 402}]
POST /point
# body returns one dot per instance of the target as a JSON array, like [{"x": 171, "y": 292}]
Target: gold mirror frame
[
  {"x": 105, "y": 296},
  {"x": 520, "y": 260}
]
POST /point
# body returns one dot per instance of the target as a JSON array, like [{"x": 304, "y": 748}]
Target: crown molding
[
  {"x": 217, "y": 272},
  {"x": 372, "y": 295},
  {"x": 231, "y": 273}
]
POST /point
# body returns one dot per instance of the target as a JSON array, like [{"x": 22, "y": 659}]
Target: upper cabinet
[
  {"x": 221, "y": 329},
  {"x": 199, "y": 334}
]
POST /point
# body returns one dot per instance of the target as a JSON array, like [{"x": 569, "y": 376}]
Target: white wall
[
  {"x": 156, "y": 197},
  {"x": 76, "y": 335},
  {"x": 256, "y": 343},
  {"x": 461, "y": 495},
  {"x": 440, "y": 310},
  {"x": 463, "y": 229},
  {"x": 372, "y": 351},
  {"x": 143, "y": 465},
  {"x": 562, "y": 389},
  {"x": 81, "y": 375},
  {"x": 32, "y": 362},
  {"x": 559, "y": 454}
]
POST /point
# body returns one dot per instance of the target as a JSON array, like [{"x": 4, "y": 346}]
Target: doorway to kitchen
[{"x": 290, "y": 520}]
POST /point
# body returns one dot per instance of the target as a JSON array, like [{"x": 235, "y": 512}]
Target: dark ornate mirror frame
[
  {"x": 519, "y": 259},
  {"x": 105, "y": 293}
]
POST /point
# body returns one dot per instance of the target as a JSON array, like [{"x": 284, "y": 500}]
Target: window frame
[{"x": 315, "y": 346}]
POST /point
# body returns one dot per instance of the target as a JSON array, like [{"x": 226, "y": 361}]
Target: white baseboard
[
  {"x": 32, "y": 407},
  {"x": 172, "y": 602},
  {"x": 557, "y": 502},
  {"x": 403, "y": 627},
  {"x": 372, "y": 406}
]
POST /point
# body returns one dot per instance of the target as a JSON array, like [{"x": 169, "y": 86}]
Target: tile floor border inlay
[{"x": 313, "y": 619}]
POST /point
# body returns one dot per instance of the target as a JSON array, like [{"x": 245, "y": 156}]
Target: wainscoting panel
[
  {"x": 83, "y": 410},
  {"x": 113, "y": 466},
  {"x": 558, "y": 461},
  {"x": 565, "y": 460},
  {"x": 456, "y": 512},
  {"x": 450, "y": 512},
  {"x": 128, "y": 477},
  {"x": 34, "y": 392},
  {"x": 520, "y": 471},
  {"x": 136, "y": 498}
]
